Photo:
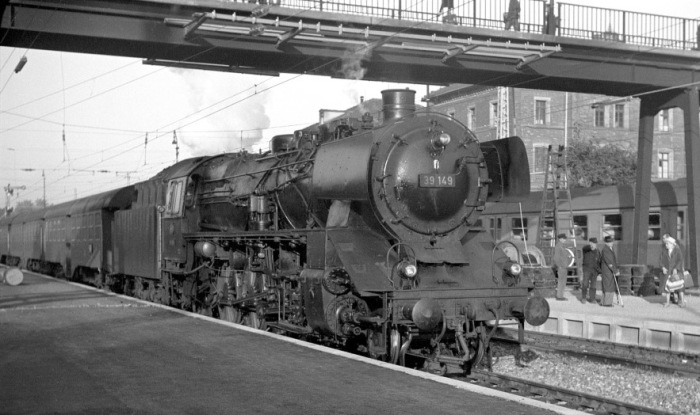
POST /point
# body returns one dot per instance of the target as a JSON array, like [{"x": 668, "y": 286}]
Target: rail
[{"x": 535, "y": 16}]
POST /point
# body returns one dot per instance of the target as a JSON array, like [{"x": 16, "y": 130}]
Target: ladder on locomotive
[{"x": 553, "y": 218}]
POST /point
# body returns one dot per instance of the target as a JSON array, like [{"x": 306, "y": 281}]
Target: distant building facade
[{"x": 544, "y": 118}]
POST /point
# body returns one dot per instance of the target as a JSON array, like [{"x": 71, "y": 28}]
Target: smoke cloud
[
  {"x": 351, "y": 64},
  {"x": 233, "y": 115}
]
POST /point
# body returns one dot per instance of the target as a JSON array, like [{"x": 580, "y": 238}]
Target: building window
[
  {"x": 619, "y": 120},
  {"x": 664, "y": 121},
  {"x": 540, "y": 164},
  {"x": 493, "y": 113},
  {"x": 612, "y": 226},
  {"x": 519, "y": 227},
  {"x": 599, "y": 116},
  {"x": 471, "y": 117},
  {"x": 654, "y": 226},
  {"x": 664, "y": 165},
  {"x": 541, "y": 111},
  {"x": 581, "y": 226},
  {"x": 680, "y": 226}
]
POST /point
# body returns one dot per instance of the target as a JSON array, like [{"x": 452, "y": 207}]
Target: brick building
[{"x": 543, "y": 118}]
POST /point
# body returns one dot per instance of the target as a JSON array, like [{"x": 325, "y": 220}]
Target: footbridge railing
[{"x": 534, "y": 16}]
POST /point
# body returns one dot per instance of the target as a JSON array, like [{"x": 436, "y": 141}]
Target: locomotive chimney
[{"x": 398, "y": 103}]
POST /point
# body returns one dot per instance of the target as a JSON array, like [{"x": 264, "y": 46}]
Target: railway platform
[
  {"x": 642, "y": 321},
  {"x": 67, "y": 348}
]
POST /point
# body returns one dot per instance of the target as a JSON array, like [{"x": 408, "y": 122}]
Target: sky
[{"x": 83, "y": 120}]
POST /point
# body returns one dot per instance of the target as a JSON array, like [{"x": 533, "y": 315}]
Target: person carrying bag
[{"x": 672, "y": 267}]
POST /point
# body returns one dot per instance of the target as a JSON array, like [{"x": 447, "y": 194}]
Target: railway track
[
  {"x": 592, "y": 376},
  {"x": 666, "y": 361},
  {"x": 561, "y": 396}
]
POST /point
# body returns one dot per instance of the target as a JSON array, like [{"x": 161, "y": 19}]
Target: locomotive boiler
[{"x": 359, "y": 234}]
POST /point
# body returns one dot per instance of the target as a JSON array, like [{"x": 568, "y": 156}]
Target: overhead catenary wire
[{"x": 220, "y": 109}]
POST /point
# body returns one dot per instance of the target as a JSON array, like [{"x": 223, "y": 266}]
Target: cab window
[{"x": 174, "y": 198}]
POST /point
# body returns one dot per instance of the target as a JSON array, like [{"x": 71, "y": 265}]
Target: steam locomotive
[{"x": 356, "y": 233}]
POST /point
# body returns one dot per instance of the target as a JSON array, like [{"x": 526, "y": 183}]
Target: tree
[
  {"x": 591, "y": 163},
  {"x": 24, "y": 206},
  {"x": 28, "y": 205}
]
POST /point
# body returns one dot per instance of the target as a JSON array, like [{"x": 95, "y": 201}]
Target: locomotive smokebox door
[{"x": 427, "y": 176}]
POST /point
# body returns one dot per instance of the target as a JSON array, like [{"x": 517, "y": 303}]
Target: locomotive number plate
[{"x": 436, "y": 180}]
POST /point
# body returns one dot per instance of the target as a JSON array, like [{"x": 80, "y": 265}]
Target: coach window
[
  {"x": 495, "y": 227},
  {"x": 174, "y": 197},
  {"x": 612, "y": 226},
  {"x": 654, "y": 226},
  {"x": 581, "y": 226},
  {"x": 519, "y": 227}
]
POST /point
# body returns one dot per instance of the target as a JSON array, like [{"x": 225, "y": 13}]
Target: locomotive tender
[{"x": 349, "y": 233}]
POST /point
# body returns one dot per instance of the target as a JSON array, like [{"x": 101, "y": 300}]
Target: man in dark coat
[
  {"x": 512, "y": 16},
  {"x": 560, "y": 262},
  {"x": 608, "y": 269},
  {"x": 591, "y": 269}
]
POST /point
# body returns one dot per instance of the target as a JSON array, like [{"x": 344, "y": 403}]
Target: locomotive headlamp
[
  {"x": 441, "y": 140},
  {"x": 205, "y": 248},
  {"x": 515, "y": 269},
  {"x": 407, "y": 269}
]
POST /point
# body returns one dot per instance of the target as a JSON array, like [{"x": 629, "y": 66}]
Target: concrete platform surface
[
  {"x": 634, "y": 320},
  {"x": 67, "y": 348}
]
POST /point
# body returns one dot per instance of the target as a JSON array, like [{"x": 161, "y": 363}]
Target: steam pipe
[{"x": 404, "y": 348}]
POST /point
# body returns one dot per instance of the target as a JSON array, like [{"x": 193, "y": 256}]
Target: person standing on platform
[
  {"x": 609, "y": 270},
  {"x": 560, "y": 262},
  {"x": 512, "y": 16},
  {"x": 591, "y": 269},
  {"x": 672, "y": 266}
]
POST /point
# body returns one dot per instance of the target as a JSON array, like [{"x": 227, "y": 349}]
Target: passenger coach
[{"x": 600, "y": 212}]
